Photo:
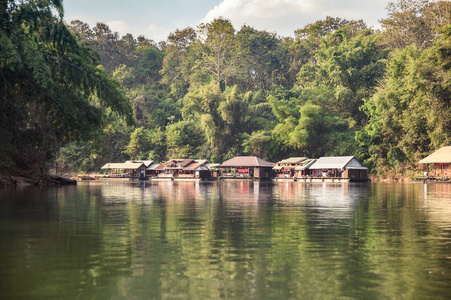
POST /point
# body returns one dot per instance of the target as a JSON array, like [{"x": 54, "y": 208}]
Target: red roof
[
  {"x": 247, "y": 161},
  {"x": 160, "y": 167},
  {"x": 179, "y": 164},
  {"x": 193, "y": 166},
  {"x": 185, "y": 162}
]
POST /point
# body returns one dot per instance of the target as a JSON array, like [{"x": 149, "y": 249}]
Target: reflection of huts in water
[
  {"x": 339, "y": 167},
  {"x": 125, "y": 170},
  {"x": 244, "y": 192},
  {"x": 183, "y": 169},
  {"x": 251, "y": 167},
  {"x": 440, "y": 161}
]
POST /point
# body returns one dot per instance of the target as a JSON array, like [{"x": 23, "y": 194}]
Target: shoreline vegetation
[{"x": 73, "y": 97}]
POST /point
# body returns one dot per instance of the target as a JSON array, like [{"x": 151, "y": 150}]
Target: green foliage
[
  {"x": 106, "y": 146},
  {"x": 307, "y": 126},
  {"x": 183, "y": 139},
  {"x": 147, "y": 70},
  {"x": 352, "y": 68},
  {"x": 52, "y": 90},
  {"x": 145, "y": 144},
  {"x": 410, "y": 113},
  {"x": 213, "y": 92},
  {"x": 218, "y": 53},
  {"x": 265, "y": 59},
  {"x": 414, "y": 22}
]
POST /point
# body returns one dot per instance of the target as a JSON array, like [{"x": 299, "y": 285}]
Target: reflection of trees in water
[
  {"x": 311, "y": 236},
  {"x": 229, "y": 239},
  {"x": 59, "y": 246}
]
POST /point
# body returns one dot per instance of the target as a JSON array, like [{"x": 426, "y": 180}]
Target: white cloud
[
  {"x": 151, "y": 31},
  {"x": 157, "y": 33},
  {"x": 285, "y": 16},
  {"x": 119, "y": 26},
  {"x": 258, "y": 9}
]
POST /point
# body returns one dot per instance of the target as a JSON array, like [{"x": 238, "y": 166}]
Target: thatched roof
[
  {"x": 305, "y": 165},
  {"x": 442, "y": 155},
  {"x": 337, "y": 162},
  {"x": 292, "y": 160},
  {"x": 147, "y": 163},
  {"x": 123, "y": 166},
  {"x": 246, "y": 161}
]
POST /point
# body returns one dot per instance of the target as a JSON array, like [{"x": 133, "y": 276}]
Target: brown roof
[
  {"x": 186, "y": 163},
  {"x": 192, "y": 166},
  {"x": 247, "y": 161},
  {"x": 195, "y": 164},
  {"x": 164, "y": 165},
  {"x": 160, "y": 167}
]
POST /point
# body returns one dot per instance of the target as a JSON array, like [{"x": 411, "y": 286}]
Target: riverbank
[
  {"x": 7, "y": 179},
  {"x": 14, "y": 179}
]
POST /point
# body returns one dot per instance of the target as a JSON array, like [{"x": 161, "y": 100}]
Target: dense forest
[{"x": 81, "y": 96}]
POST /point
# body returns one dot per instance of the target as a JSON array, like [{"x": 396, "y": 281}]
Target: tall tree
[
  {"x": 176, "y": 68},
  {"x": 411, "y": 111},
  {"x": 307, "y": 126},
  {"x": 52, "y": 90},
  {"x": 352, "y": 67},
  {"x": 414, "y": 22},
  {"x": 264, "y": 59},
  {"x": 218, "y": 52}
]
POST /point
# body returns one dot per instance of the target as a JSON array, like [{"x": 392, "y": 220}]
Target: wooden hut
[
  {"x": 246, "y": 167},
  {"x": 303, "y": 169},
  {"x": 440, "y": 160},
  {"x": 126, "y": 170},
  {"x": 151, "y": 170},
  {"x": 286, "y": 168},
  {"x": 147, "y": 163},
  {"x": 197, "y": 169},
  {"x": 339, "y": 167},
  {"x": 184, "y": 169},
  {"x": 214, "y": 169}
]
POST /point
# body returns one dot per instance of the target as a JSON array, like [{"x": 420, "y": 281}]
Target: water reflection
[{"x": 234, "y": 239}]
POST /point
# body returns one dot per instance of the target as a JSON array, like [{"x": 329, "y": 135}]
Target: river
[{"x": 231, "y": 240}]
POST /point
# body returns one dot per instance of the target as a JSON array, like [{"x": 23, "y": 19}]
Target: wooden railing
[
  {"x": 185, "y": 176},
  {"x": 165, "y": 176}
]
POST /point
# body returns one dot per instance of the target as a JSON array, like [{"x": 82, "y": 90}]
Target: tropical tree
[
  {"x": 52, "y": 90},
  {"x": 350, "y": 67},
  {"x": 410, "y": 113},
  {"x": 218, "y": 53},
  {"x": 307, "y": 126},
  {"x": 264, "y": 59},
  {"x": 414, "y": 22},
  {"x": 183, "y": 139},
  {"x": 178, "y": 62}
]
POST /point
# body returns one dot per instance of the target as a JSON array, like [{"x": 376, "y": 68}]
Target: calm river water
[{"x": 234, "y": 240}]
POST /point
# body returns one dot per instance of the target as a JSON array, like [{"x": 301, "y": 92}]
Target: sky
[{"x": 157, "y": 19}]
